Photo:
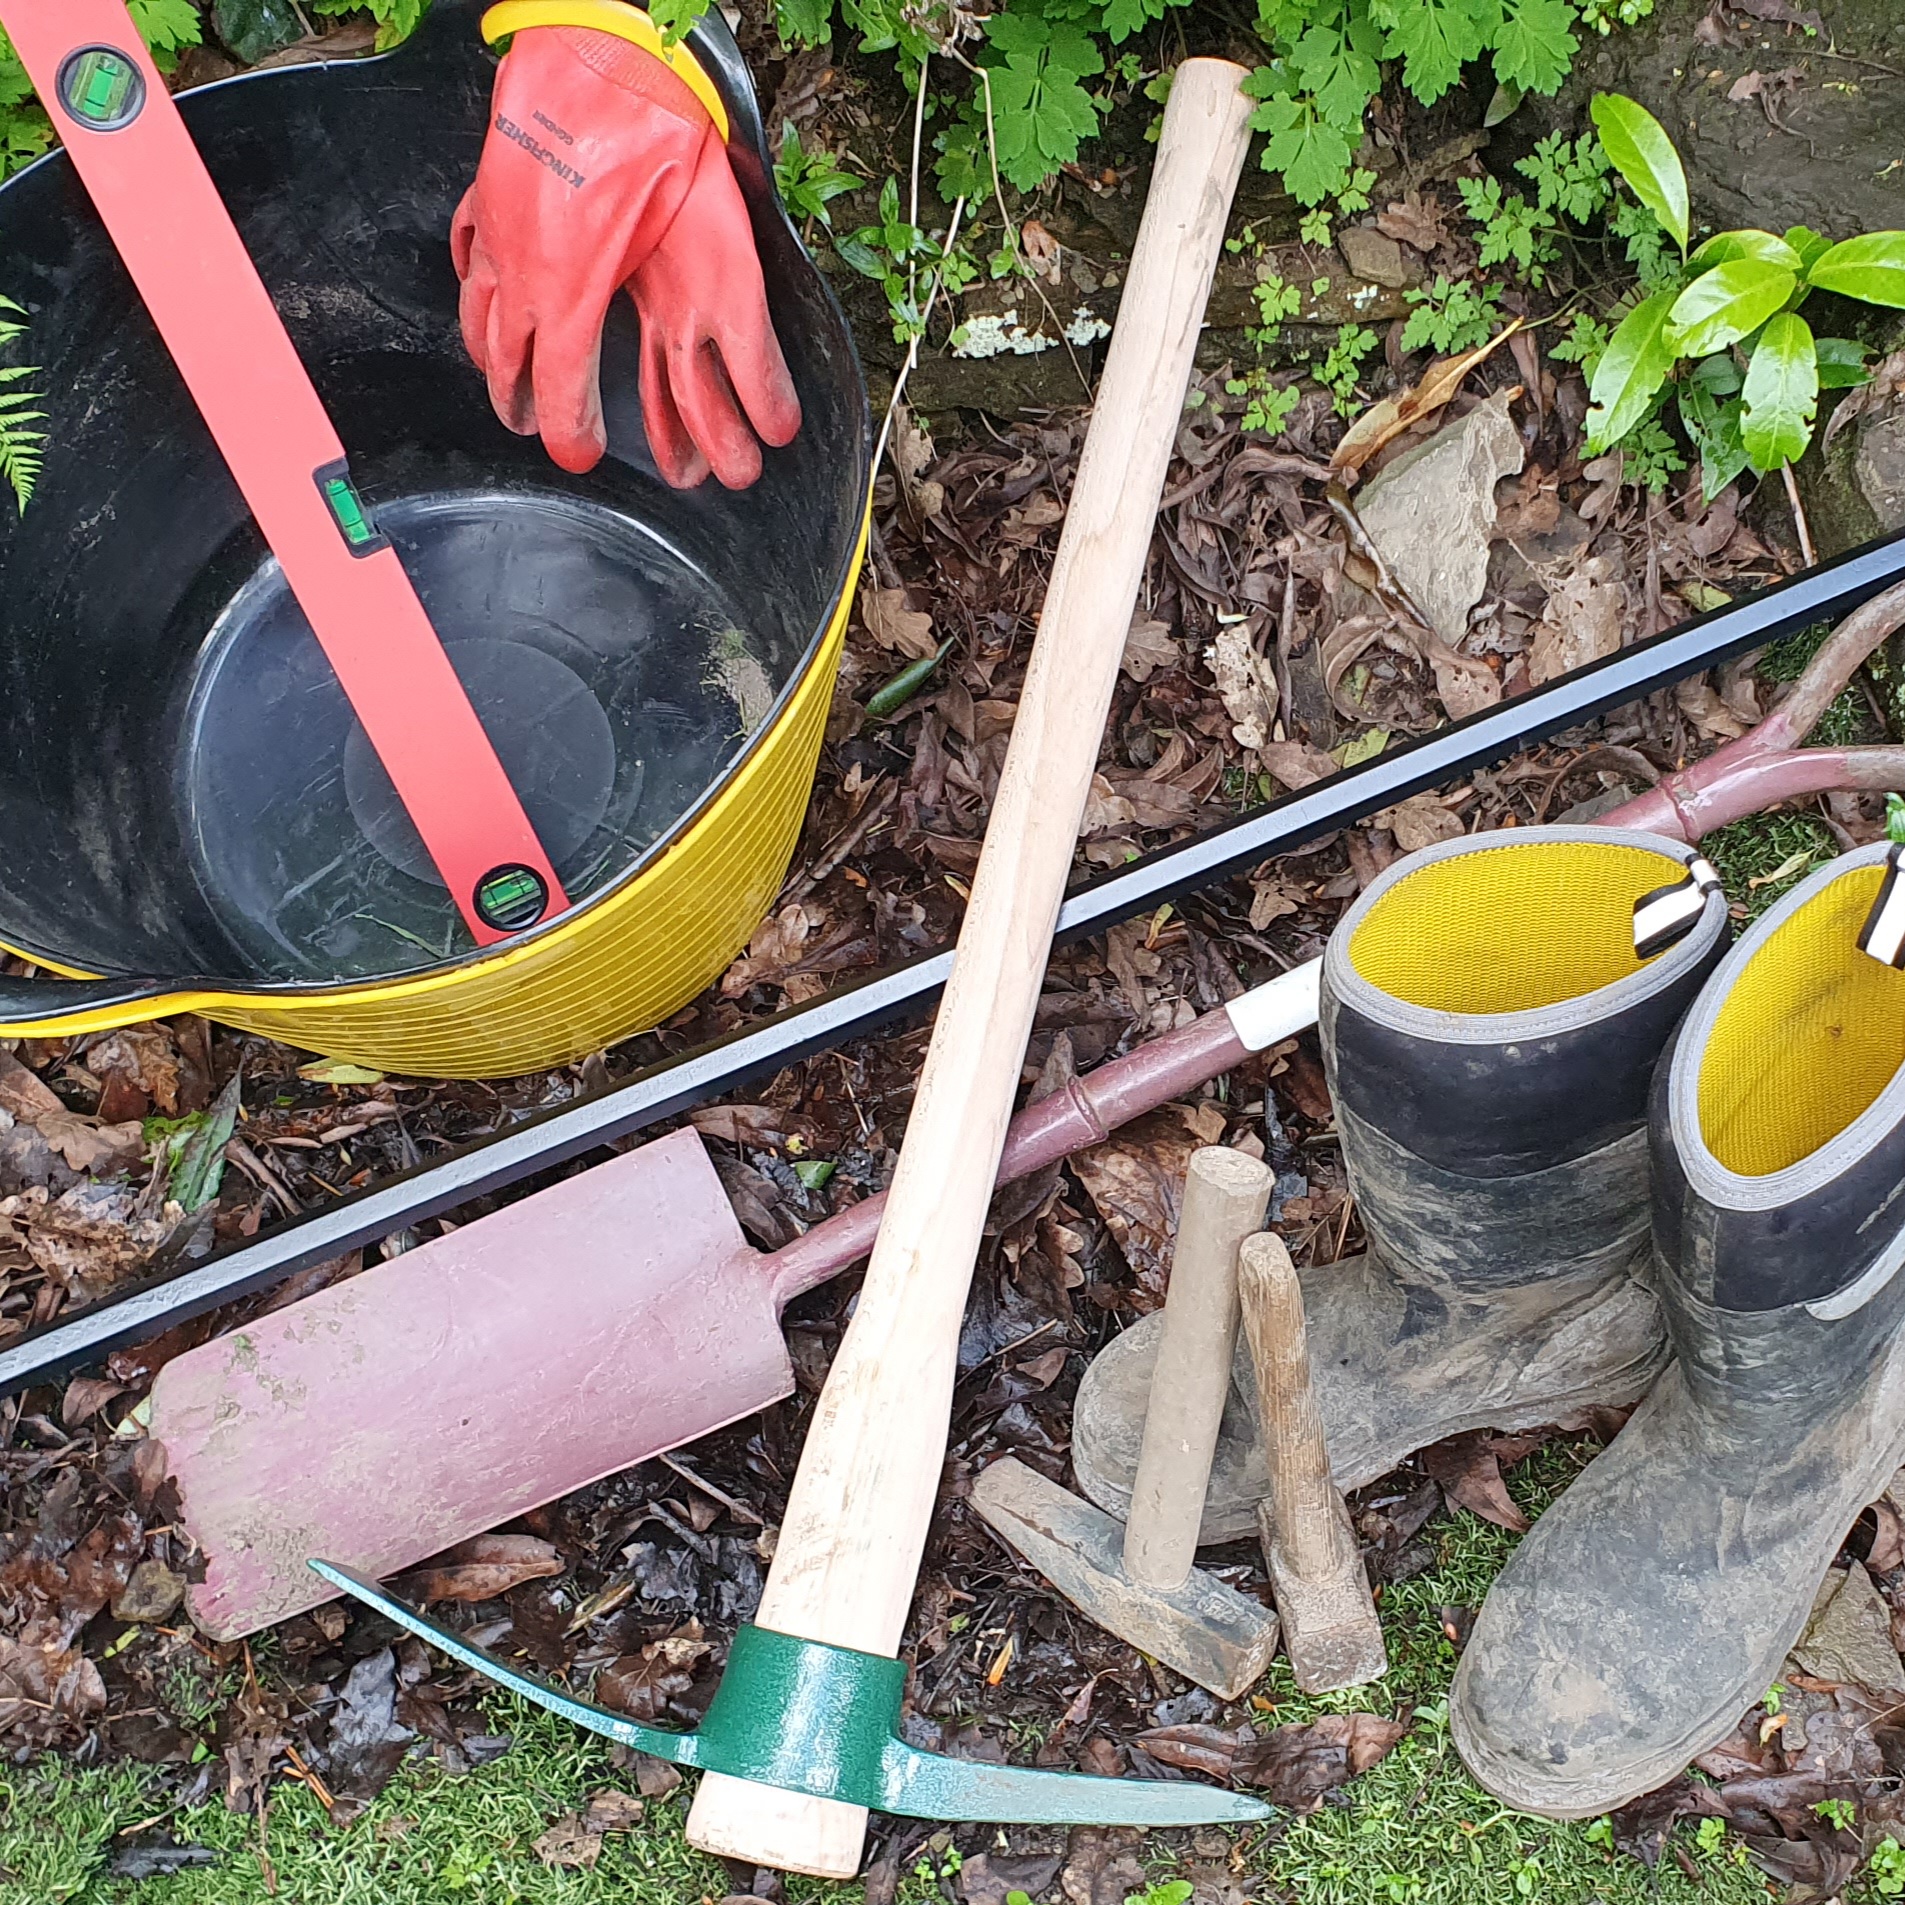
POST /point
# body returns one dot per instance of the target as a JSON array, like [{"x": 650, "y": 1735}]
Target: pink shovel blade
[{"x": 358, "y": 1423}]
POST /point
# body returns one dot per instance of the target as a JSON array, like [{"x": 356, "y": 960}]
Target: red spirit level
[{"x": 178, "y": 242}]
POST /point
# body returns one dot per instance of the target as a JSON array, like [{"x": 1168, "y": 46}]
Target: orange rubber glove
[
  {"x": 596, "y": 153},
  {"x": 711, "y": 364}
]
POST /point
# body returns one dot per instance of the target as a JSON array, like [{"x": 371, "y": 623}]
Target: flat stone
[
  {"x": 1878, "y": 466},
  {"x": 152, "y": 1594},
  {"x": 1432, "y": 510},
  {"x": 1849, "y": 1637},
  {"x": 1375, "y": 257}
]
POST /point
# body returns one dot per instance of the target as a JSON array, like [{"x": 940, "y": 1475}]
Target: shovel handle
[{"x": 857, "y": 1518}]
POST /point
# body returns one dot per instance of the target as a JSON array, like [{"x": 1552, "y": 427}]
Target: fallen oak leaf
[
  {"x": 1641, "y": 1827},
  {"x": 1469, "y": 1473},
  {"x": 483, "y": 1568},
  {"x": 25, "y": 1093},
  {"x": 1382, "y": 422},
  {"x": 1295, "y": 1765},
  {"x": 895, "y": 625}
]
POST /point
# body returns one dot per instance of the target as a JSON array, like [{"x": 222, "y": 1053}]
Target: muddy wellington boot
[
  {"x": 1655, "y": 1601},
  {"x": 1492, "y": 1012}
]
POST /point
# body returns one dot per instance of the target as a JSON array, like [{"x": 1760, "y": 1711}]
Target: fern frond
[{"x": 22, "y": 446}]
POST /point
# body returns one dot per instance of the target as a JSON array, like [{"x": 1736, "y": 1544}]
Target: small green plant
[
  {"x": 1773, "y": 1699},
  {"x": 885, "y": 251},
  {"x": 809, "y": 179},
  {"x": 1887, "y": 1868},
  {"x": 1604, "y": 15},
  {"x": 1526, "y": 1874},
  {"x": 22, "y": 444},
  {"x": 1650, "y": 458},
  {"x": 1570, "y": 181},
  {"x": 1327, "y": 65},
  {"x": 1710, "y": 1834},
  {"x": 1601, "y": 1833},
  {"x": 933, "y": 1870},
  {"x": 1342, "y": 367},
  {"x": 1837, "y": 1813},
  {"x": 1276, "y": 301},
  {"x": 1722, "y": 329},
  {"x": 1267, "y": 404},
  {"x": 1162, "y": 1892},
  {"x": 1452, "y": 317},
  {"x": 398, "y": 19}
]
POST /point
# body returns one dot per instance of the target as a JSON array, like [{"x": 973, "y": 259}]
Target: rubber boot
[
  {"x": 1655, "y": 1601},
  {"x": 1490, "y": 1031}
]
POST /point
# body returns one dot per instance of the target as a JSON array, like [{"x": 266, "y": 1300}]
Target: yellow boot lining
[
  {"x": 1810, "y": 1033},
  {"x": 1510, "y": 929}
]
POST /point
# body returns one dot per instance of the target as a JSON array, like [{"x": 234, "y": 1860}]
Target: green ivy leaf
[
  {"x": 1841, "y": 362},
  {"x": 1536, "y": 45},
  {"x": 1723, "y": 247},
  {"x": 1632, "y": 368},
  {"x": 1781, "y": 393},
  {"x": 1643, "y": 155},
  {"x": 1725, "y": 304},
  {"x": 1871, "y": 268},
  {"x": 1435, "y": 39},
  {"x": 1312, "y": 154},
  {"x": 1713, "y": 426}
]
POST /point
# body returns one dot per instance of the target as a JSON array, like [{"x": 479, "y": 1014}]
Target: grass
[
  {"x": 1416, "y": 1831},
  {"x": 1762, "y": 858}
]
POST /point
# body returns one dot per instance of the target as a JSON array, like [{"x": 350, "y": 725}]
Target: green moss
[
  {"x": 1416, "y": 1831},
  {"x": 1764, "y": 857}
]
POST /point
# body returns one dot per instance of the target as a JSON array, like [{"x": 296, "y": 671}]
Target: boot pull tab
[
  {"x": 1669, "y": 913},
  {"x": 1883, "y": 934}
]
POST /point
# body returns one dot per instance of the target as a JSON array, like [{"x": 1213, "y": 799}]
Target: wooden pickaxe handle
[{"x": 857, "y": 1519}]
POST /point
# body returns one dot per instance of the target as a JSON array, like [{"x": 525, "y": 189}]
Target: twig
[
  {"x": 913, "y": 343},
  {"x": 738, "y": 1509},
  {"x": 1799, "y": 515}
]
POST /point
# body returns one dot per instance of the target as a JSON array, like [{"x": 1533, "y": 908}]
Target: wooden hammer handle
[
  {"x": 1225, "y": 1196},
  {"x": 1305, "y": 1509},
  {"x": 856, "y": 1521}
]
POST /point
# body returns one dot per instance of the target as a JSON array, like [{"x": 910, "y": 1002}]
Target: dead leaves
[
  {"x": 895, "y": 625},
  {"x": 1420, "y": 821},
  {"x": 1468, "y": 1469},
  {"x": 482, "y": 1569},
  {"x": 649, "y": 1686},
  {"x": 1136, "y": 1180},
  {"x": 84, "y": 1143},
  {"x": 47, "y": 1691},
  {"x": 1295, "y": 1766},
  {"x": 1148, "y": 648},
  {"x": 51, "y": 1585},
  {"x": 574, "y": 1843},
  {"x": 1588, "y": 615},
  {"x": 1382, "y": 422},
  {"x": 771, "y": 953},
  {"x": 1246, "y": 682},
  {"x": 93, "y": 1237}
]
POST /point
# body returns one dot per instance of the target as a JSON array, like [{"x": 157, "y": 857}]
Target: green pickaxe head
[{"x": 820, "y": 1720}]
